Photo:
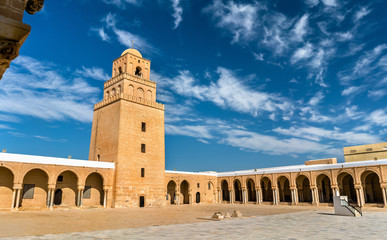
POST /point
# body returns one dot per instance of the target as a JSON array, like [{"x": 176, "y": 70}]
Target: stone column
[
  {"x": 219, "y": 196},
  {"x": 256, "y": 196},
  {"x": 177, "y": 198},
  {"x": 51, "y": 188},
  {"x": 293, "y": 195},
  {"x": 16, "y": 196},
  {"x": 190, "y": 198},
  {"x": 231, "y": 192},
  {"x": 105, "y": 194},
  {"x": 275, "y": 195},
  {"x": 80, "y": 195},
  {"x": 335, "y": 190},
  {"x": 384, "y": 196},
  {"x": 359, "y": 195},
  {"x": 315, "y": 198},
  {"x": 18, "y": 190},
  {"x": 244, "y": 196}
]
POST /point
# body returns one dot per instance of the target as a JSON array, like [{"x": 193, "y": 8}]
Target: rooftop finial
[{"x": 132, "y": 43}]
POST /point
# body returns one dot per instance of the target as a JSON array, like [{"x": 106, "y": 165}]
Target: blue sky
[{"x": 246, "y": 84}]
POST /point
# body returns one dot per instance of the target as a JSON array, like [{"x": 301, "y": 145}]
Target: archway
[
  {"x": 6, "y": 187},
  {"x": 171, "y": 189},
  {"x": 225, "y": 192},
  {"x": 324, "y": 188},
  {"x": 251, "y": 195},
  {"x": 93, "y": 192},
  {"x": 304, "y": 191},
  {"x": 58, "y": 197},
  {"x": 67, "y": 182},
  {"x": 184, "y": 186},
  {"x": 347, "y": 187},
  {"x": 267, "y": 192},
  {"x": 35, "y": 184},
  {"x": 198, "y": 197},
  {"x": 371, "y": 187},
  {"x": 237, "y": 191},
  {"x": 284, "y": 189}
]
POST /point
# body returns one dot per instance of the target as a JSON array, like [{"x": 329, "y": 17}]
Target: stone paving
[{"x": 315, "y": 224}]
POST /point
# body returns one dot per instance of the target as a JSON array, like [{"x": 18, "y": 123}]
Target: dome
[{"x": 133, "y": 52}]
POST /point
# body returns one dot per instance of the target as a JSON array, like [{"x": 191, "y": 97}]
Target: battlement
[
  {"x": 131, "y": 77},
  {"x": 130, "y": 98}
]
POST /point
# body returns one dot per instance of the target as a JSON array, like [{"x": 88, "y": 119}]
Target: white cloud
[
  {"x": 362, "y": 12},
  {"x": 37, "y": 89},
  {"x": 316, "y": 99},
  {"x": 258, "y": 56},
  {"x": 177, "y": 14},
  {"x": 239, "y": 19},
  {"x": 330, "y": 3},
  {"x": 4, "y": 126},
  {"x": 318, "y": 134},
  {"x": 122, "y": 3},
  {"x": 102, "y": 34},
  {"x": 302, "y": 53},
  {"x": 274, "y": 146},
  {"x": 352, "y": 91},
  {"x": 377, "y": 94},
  {"x": 228, "y": 92},
  {"x": 188, "y": 130},
  {"x": 94, "y": 73},
  {"x": 378, "y": 117},
  {"x": 311, "y": 3},
  {"x": 301, "y": 28}
]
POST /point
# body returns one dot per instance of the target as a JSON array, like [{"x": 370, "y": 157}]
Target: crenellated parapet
[
  {"x": 131, "y": 77},
  {"x": 127, "y": 97}
]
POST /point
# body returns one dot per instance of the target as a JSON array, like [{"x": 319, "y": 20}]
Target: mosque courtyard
[{"x": 191, "y": 222}]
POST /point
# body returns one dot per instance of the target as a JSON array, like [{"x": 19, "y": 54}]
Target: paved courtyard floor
[{"x": 261, "y": 222}]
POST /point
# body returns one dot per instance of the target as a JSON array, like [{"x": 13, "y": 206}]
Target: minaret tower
[{"x": 128, "y": 129}]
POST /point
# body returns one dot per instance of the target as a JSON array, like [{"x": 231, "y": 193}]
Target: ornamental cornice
[
  {"x": 131, "y": 77},
  {"x": 129, "y": 98},
  {"x": 34, "y": 6},
  {"x": 9, "y": 49}
]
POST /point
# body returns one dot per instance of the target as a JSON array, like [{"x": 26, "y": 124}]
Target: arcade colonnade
[
  {"x": 365, "y": 183},
  {"x": 362, "y": 185},
  {"x": 37, "y": 185}
]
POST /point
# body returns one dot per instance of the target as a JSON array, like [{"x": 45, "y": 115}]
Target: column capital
[
  {"x": 106, "y": 187},
  {"x": 257, "y": 188},
  {"x": 358, "y": 186},
  {"x": 17, "y": 186},
  {"x": 81, "y": 187},
  {"x": 51, "y": 186}
]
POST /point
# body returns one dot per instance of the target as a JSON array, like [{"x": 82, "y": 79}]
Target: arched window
[
  {"x": 131, "y": 90},
  {"x": 107, "y": 94},
  {"x": 138, "y": 72},
  {"x": 113, "y": 91},
  {"x": 140, "y": 93},
  {"x": 149, "y": 95},
  {"x": 119, "y": 89},
  {"x": 119, "y": 70}
]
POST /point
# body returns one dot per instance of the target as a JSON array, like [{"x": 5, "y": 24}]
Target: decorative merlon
[
  {"x": 130, "y": 98},
  {"x": 129, "y": 77}
]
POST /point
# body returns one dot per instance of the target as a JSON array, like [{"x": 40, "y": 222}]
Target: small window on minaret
[
  {"x": 107, "y": 94},
  {"x": 142, "y": 147},
  {"x": 142, "y": 172},
  {"x": 138, "y": 72},
  {"x": 98, "y": 157},
  {"x": 119, "y": 70},
  {"x": 143, "y": 127}
]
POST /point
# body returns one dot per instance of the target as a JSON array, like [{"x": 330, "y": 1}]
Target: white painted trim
[
  {"x": 294, "y": 168},
  {"x": 192, "y": 173},
  {"x": 10, "y": 157}
]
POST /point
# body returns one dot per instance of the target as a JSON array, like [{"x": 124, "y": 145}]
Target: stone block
[{"x": 237, "y": 213}]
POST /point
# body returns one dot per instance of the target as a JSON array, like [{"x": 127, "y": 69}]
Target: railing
[{"x": 352, "y": 207}]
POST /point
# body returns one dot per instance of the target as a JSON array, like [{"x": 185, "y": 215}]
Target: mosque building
[{"x": 126, "y": 166}]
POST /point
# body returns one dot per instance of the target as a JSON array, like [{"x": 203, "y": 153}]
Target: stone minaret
[{"x": 128, "y": 129}]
